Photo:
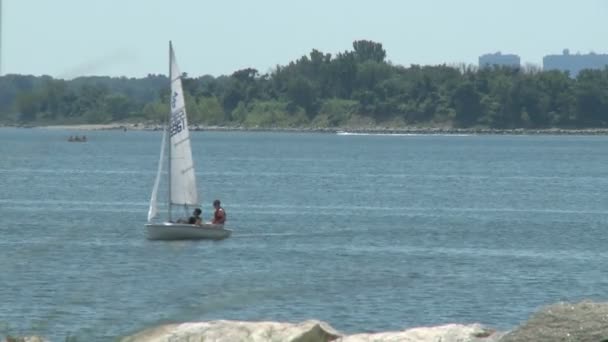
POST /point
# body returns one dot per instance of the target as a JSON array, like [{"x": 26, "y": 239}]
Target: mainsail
[{"x": 181, "y": 167}]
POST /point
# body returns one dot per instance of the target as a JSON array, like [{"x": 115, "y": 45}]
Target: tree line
[{"x": 353, "y": 88}]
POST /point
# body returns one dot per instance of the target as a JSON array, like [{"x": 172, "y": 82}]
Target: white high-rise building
[
  {"x": 498, "y": 59},
  {"x": 575, "y": 63}
]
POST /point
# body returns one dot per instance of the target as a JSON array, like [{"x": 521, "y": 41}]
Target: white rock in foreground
[
  {"x": 23, "y": 339},
  {"x": 443, "y": 333},
  {"x": 234, "y": 331},
  {"x": 309, "y": 331}
]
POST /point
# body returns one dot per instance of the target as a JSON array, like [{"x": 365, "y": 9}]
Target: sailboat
[{"x": 182, "y": 191}]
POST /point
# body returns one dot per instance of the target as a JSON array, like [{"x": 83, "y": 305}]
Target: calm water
[{"x": 368, "y": 233}]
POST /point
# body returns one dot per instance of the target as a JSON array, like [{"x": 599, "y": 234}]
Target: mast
[
  {"x": 169, "y": 123},
  {"x": 1, "y": 37}
]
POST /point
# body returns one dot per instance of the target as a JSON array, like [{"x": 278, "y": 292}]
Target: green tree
[
  {"x": 211, "y": 110},
  {"x": 467, "y": 104},
  {"x": 592, "y": 98},
  {"x": 119, "y": 107},
  {"x": 28, "y": 106},
  {"x": 301, "y": 92},
  {"x": 156, "y": 112},
  {"x": 367, "y": 50}
]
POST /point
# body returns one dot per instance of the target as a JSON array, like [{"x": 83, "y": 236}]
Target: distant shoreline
[{"x": 359, "y": 130}]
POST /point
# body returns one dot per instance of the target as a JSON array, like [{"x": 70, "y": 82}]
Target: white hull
[{"x": 181, "y": 231}]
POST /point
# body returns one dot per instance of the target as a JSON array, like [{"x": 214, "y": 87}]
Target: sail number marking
[{"x": 178, "y": 122}]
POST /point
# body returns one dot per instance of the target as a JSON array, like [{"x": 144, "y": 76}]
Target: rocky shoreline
[
  {"x": 332, "y": 130},
  {"x": 581, "y": 322}
]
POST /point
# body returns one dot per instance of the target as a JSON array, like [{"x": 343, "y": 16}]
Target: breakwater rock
[
  {"x": 581, "y": 322},
  {"x": 563, "y": 322},
  {"x": 309, "y": 331}
]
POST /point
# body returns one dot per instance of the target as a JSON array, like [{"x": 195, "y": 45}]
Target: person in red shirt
[{"x": 219, "y": 217}]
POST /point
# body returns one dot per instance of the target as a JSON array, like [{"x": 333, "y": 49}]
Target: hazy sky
[{"x": 66, "y": 38}]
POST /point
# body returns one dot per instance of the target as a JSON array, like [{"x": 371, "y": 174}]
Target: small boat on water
[
  {"x": 181, "y": 177},
  {"x": 77, "y": 138}
]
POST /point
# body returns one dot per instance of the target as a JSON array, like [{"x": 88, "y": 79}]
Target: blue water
[{"x": 368, "y": 233}]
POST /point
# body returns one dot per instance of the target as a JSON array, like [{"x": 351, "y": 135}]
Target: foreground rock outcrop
[
  {"x": 581, "y": 322},
  {"x": 563, "y": 322},
  {"x": 234, "y": 331},
  {"x": 443, "y": 333},
  {"x": 24, "y": 339},
  {"x": 309, "y": 331}
]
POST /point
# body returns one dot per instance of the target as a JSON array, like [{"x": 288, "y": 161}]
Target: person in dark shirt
[{"x": 196, "y": 217}]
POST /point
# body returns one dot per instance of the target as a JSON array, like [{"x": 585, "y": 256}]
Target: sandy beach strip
[
  {"x": 94, "y": 127},
  {"x": 339, "y": 130}
]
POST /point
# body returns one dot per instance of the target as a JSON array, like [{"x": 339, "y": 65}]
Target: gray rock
[
  {"x": 309, "y": 331},
  {"x": 443, "y": 333},
  {"x": 233, "y": 331},
  {"x": 564, "y": 322},
  {"x": 24, "y": 339}
]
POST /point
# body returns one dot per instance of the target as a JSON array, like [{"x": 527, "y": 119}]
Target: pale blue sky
[{"x": 66, "y": 38}]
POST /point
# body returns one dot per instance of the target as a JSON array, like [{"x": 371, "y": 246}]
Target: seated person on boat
[{"x": 194, "y": 219}]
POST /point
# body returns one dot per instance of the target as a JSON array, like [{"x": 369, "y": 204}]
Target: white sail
[
  {"x": 181, "y": 166},
  {"x": 153, "y": 203}
]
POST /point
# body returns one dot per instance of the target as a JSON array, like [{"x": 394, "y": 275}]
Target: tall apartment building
[
  {"x": 498, "y": 59},
  {"x": 575, "y": 63}
]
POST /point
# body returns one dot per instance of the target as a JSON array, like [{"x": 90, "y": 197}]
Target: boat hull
[{"x": 181, "y": 231}]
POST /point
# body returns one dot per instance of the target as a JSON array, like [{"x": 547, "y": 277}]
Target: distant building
[
  {"x": 498, "y": 59},
  {"x": 575, "y": 63}
]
